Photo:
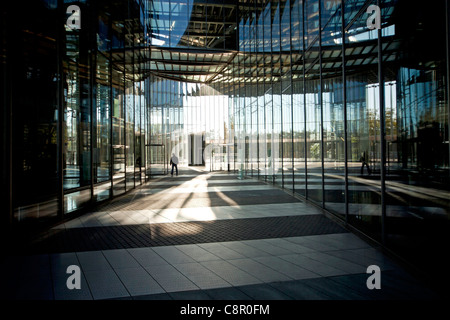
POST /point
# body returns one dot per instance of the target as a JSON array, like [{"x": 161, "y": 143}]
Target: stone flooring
[{"x": 205, "y": 236}]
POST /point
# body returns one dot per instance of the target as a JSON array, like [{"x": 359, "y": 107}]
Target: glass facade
[
  {"x": 75, "y": 104},
  {"x": 192, "y": 121},
  {"x": 351, "y": 118},
  {"x": 308, "y": 95}
]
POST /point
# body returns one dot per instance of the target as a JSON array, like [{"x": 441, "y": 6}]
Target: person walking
[
  {"x": 174, "y": 163},
  {"x": 364, "y": 161}
]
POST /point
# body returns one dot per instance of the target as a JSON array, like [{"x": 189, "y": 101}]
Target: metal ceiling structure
[{"x": 198, "y": 41}]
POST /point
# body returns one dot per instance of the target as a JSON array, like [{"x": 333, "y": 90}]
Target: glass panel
[
  {"x": 334, "y": 145},
  {"x": 118, "y": 142},
  {"x": 352, "y": 8},
  {"x": 77, "y": 114},
  {"x": 253, "y": 141},
  {"x": 277, "y": 151},
  {"x": 287, "y": 135},
  {"x": 298, "y": 119},
  {"x": 249, "y": 149},
  {"x": 262, "y": 136},
  {"x": 298, "y": 109},
  {"x": 363, "y": 127},
  {"x": 268, "y": 98},
  {"x": 417, "y": 133},
  {"x": 286, "y": 96},
  {"x": 333, "y": 109},
  {"x": 78, "y": 151},
  {"x": 179, "y": 15},
  {"x": 311, "y": 22},
  {"x": 102, "y": 115},
  {"x": 129, "y": 134},
  {"x": 313, "y": 106},
  {"x": 285, "y": 25},
  {"x": 313, "y": 140},
  {"x": 141, "y": 131},
  {"x": 33, "y": 82},
  {"x": 75, "y": 200}
]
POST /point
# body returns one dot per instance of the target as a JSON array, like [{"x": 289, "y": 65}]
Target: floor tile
[
  {"x": 374, "y": 256},
  {"x": 170, "y": 279},
  {"x": 291, "y": 270},
  {"x": 105, "y": 284},
  {"x": 147, "y": 257},
  {"x": 190, "y": 295},
  {"x": 346, "y": 241},
  {"x": 338, "y": 263},
  {"x": 320, "y": 268},
  {"x": 120, "y": 258},
  {"x": 357, "y": 283},
  {"x": 264, "y": 292},
  {"x": 197, "y": 253},
  {"x": 267, "y": 247},
  {"x": 258, "y": 270},
  {"x": 314, "y": 245},
  {"x": 221, "y": 251},
  {"x": 201, "y": 276},
  {"x": 230, "y": 273},
  {"x": 138, "y": 282},
  {"x": 60, "y": 261},
  {"x": 93, "y": 260},
  {"x": 353, "y": 257},
  {"x": 297, "y": 290},
  {"x": 107, "y": 220},
  {"x": 90, "y": 221},
  {"x": 172, "y": 255},
  {"x": 62, "y": 292},
  {"x": 404, "y": 286},
  {"x": 159, "y": 296},
  {"x": 75, "y": 223},
  {"x": 245, "y": 250},
  {"x": 332, "y": 289},
  {"x": 288, "y": 245},
  {"x": 139, "y": 218},
  {"x": 231, "y": 293}
]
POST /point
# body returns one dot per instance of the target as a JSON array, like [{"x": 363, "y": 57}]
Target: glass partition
[
  {"x": 334, "y": 135},
  {"x": 363, "y": 129}
]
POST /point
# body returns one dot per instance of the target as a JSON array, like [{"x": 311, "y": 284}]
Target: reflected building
[{"x": 296, "y": 93}]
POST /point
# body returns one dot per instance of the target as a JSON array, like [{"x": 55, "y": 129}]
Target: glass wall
[
  {"x": 363, "y": 128},
  {"x": 417, "y": 132},
  {"x": 78, "y": 96},
  {"x": 190, "y": 120},
  {"x": 32, "y": 74},
  {"x": 348, "y": 116},
  {"x": 334, "y": 129}
]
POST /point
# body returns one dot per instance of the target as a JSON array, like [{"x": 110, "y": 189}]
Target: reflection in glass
[
  {"x": 334, "y": 136},
  {"x": 118, "y": 134},
  {"x": 313, "y": 140},
  {"x": 77, "y": 151}
]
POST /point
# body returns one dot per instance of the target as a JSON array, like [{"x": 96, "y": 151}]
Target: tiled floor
[{"x": 327, "y": 265}]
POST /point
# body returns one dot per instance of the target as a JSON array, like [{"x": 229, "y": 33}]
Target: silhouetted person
[
  {"x": 364, "y": 163},
  {"x": 174, "y": 163}
]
